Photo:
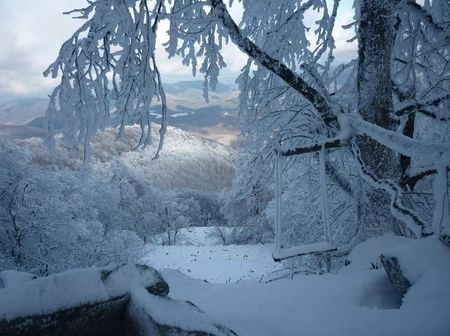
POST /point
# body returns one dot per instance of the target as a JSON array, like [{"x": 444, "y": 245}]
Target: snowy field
[
  {"x": 356, "y": 301},
  {"x": 201, "y": 257},
  {"x": 217, "y": 264}
]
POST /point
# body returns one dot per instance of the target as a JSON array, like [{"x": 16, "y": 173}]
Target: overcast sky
[{"x": 32, "y": 32}]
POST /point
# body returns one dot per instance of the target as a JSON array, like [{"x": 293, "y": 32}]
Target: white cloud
[{"x": 33, "y": 31}]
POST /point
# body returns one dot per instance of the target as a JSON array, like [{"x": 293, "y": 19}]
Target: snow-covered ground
[
  {"x": 356, "y": 301},
  {"x": 218, "y": 264},
  {"x": 315, "y": 305},
  {"x": 202, "y": 257}
]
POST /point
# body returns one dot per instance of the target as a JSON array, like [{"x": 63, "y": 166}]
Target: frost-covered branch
[
  {"x": 412, "y": 180},
  {"x": 108, "y": 73},
  {"x": 420, "y": 106},
  {"x": 440, "y": 32},
  {"x": 427, "y": 153},
  {"x": 274, "y": 65},
  {"x": 314, "y": 148}
]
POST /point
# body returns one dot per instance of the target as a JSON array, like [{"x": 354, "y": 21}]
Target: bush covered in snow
[{"x": 56, "y": 214}]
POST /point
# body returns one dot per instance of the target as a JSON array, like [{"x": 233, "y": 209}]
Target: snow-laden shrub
[{"x": 51, "y": 220}]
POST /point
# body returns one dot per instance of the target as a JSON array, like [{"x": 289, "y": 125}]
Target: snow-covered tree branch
[{"x": 292, "y": 88}]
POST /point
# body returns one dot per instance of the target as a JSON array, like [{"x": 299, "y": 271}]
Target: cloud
[{"x": 33, "y": 31}]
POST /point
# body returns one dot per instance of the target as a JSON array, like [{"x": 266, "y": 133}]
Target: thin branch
[
  {"x": 314, "y": 148},
  {"x": 412, "y": 180},
  {"x": 428, "y": 20},
  {"x": 420, "y": 105}
]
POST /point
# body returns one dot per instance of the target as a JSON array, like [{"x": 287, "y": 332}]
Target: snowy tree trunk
[{"x": 375, "y": 104}]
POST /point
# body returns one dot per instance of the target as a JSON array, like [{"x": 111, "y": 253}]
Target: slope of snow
[
  {"x": 434, "y": 255},
  {"x": 356, "y": 301},
  {"x": 201, "y": 256},
  {"x": 302, "y": 250},
  {"x": 168, "y": 312},
  {"x": 365, "y": 256},
  {"x": 317, "y": 305}
]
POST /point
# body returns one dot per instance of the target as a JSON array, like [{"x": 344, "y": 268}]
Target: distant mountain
[
  {"x": 203, "y": 117},
  {"x": 22, "y": 111},
  {"x": 11, "y": 132},
  {"x": 188, "y": 110},
  {"x": 180, "y": 87}
]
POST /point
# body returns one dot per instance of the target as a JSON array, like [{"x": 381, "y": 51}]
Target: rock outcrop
[{"x": 127, "y": 300}]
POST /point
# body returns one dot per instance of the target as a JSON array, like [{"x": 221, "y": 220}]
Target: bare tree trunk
[{"x": 375, "y": 104}]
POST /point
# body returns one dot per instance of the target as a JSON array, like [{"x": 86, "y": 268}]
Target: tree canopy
[{"x": 383, "y": 115}]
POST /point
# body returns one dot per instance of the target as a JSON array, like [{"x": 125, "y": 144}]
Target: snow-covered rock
[
  {"x": 155, "y": 315},
  {"x": 76, "y": 287},
  {"x": 365, "y": 255},
  {"x": 420, "y": 256},
  {"x": 121, "y": 300},
  {"x": 405, "y": 260}
]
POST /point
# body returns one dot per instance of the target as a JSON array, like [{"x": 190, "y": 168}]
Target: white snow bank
[
  {"x": 357, "y": 301},
  {"x": 367, "y": 253},
  {"x": 70, "y": 289},
  {"x": 49, "y": 294},
  {"x": 169, "y": 312},
  {"x": 326, "y": 305},
  {"x": 419, "y": 256},
  {"x": 122, "y": 278},
  {"x": 12, "y": 278},
  {"x": 432, "y": 288}
]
